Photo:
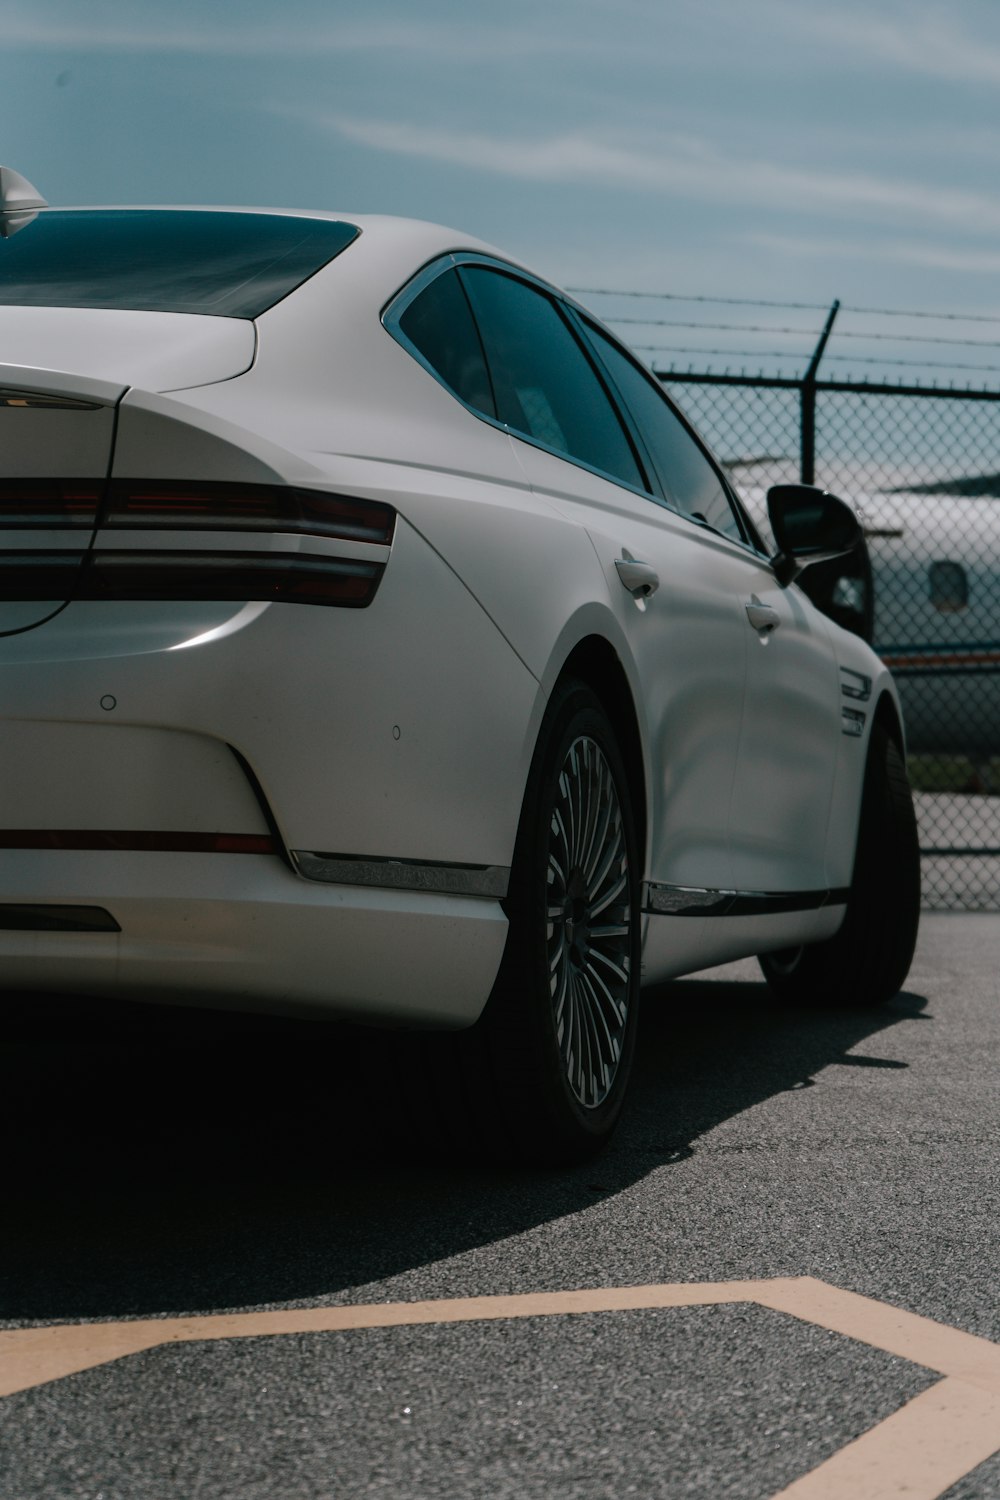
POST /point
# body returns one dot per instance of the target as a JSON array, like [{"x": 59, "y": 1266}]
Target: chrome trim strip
[
  {"x": 694, "y": 901},
  {"x": 685, "y": 901},
  {"x": 488, "y": 881}
]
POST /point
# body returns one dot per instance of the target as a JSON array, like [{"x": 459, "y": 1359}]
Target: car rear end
[{"x": 214, "y": 734}]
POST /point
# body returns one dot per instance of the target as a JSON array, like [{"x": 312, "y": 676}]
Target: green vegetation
[{"x": 954, "y": 773}]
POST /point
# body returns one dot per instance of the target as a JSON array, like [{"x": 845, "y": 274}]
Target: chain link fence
[{"x": 923, "y": 466}]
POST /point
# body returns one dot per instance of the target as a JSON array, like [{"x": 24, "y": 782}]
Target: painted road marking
[{"x": 920, "y": 1451}]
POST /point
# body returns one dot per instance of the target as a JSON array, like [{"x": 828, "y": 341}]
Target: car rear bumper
[{"x": 244, "y": 932}]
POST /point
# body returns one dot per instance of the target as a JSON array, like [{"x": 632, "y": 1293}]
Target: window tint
[
  {"x": 544, "y": 384},
  {"x": 687, "y": 480},
  {"x": 439, "y": 324},
  {"x": 233, "y": 265}
]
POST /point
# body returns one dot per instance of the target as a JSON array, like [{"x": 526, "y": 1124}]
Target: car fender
[{"x": 867, "y": 691}]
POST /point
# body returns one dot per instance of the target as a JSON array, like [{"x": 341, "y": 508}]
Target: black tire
[
  {"x": 866, "y": 962},
  {"x": 549, "y": 1061}
]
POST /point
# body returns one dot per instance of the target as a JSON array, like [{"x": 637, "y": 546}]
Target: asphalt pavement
[{"x": 169, "y": 1165}]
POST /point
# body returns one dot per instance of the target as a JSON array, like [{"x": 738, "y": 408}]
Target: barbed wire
[
  {"x": 901, "y": 312},
  {"x": 879, "y": 312},
  {"x": 722, "y": 327},
  {"x": 796, "y": 354},
  {"x": 598, "y": 291},
  {"x": 838, "y": 333}
]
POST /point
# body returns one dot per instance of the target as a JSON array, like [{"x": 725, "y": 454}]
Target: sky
[{"x": 791, "y": 151}]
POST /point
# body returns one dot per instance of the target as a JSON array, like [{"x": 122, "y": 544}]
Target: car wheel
[
  {"x": 866, "y": 962},
  {"x": 557, "y": 1037}
]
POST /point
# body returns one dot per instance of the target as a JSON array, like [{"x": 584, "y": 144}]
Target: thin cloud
[
  {"x": 562, "y": 158},
  {"x": 902, "y": 252},
  {"x": 922, "y": 39},
  {"x": 445, "y": 43},
  {"x": 683, "y": 165}
]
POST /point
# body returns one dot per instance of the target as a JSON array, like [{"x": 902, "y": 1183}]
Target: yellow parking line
[
  {"x": 34, "y": 1356},
  {"x": 920, "y": 1451},
  {"x": 936, "y": 1346}
]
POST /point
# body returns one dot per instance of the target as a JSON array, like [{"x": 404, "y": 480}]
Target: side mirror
[{"x": 810, "y": 526}]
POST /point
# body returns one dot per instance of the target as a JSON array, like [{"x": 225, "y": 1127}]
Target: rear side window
[
  {"x": 439, "y": 325},
  {"x": 687, "y": 479},
  {"x": 545, "y": 387},
  {"x": 232, "y": 265}
]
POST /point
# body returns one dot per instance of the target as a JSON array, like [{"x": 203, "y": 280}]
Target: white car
[{"x": 376, "y": 638}]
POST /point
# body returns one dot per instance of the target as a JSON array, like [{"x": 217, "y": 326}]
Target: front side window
[
  {"x": 687, "y": 479},
  {"x": 544, "y": 384}
]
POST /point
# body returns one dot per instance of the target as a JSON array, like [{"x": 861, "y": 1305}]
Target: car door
[
  {"x": 790, "y": 720},
  {"x": 788, "y": 743},
  {"x": 686, "y": 636}
]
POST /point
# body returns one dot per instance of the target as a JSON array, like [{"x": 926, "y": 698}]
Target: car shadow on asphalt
[{"x": 164, "y": 1161}]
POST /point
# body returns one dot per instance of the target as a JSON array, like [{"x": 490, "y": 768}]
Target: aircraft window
[{"x": 949, "y": 586}]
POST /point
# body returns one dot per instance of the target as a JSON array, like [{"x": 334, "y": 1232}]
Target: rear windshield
[{"x": 232, "y": 265}]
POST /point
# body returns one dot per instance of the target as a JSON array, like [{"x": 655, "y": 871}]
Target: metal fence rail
[{"x": 923, "y": 464}]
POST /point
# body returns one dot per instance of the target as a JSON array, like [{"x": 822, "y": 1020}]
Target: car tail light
[
  {"x": 279, "y": 576},
  {"x": 42, "y": 504},
  {"x": 106, "y": 572},
  {"x": 225, "y": 506}
]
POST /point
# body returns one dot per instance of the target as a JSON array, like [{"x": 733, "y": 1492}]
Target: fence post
[{"x": 807, "y": 450}]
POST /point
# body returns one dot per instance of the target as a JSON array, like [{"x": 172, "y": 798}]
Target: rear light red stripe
[
  {"x": 290, "y": 577},
  {"x": 170, "y": 505},
  {"x": 174, "y": 505},
  {"x": 225, "y": 506},
  {"x": 43, "y": 504},
  {"x": 127, "y": 839}
]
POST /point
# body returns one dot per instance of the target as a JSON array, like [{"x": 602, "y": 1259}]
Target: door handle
[
  {"x": 761, "y": 616},
  {"x": 641, "y": 579}
]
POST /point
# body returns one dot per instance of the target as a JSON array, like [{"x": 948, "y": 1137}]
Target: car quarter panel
[
  {"x": 402, "y": 730},
  {"x": 530, "y": 567}
]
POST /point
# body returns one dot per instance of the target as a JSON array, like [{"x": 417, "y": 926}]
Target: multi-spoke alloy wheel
[
  {"x": 559, "y": 1032},
  {"x": 588, "y": 922}
]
